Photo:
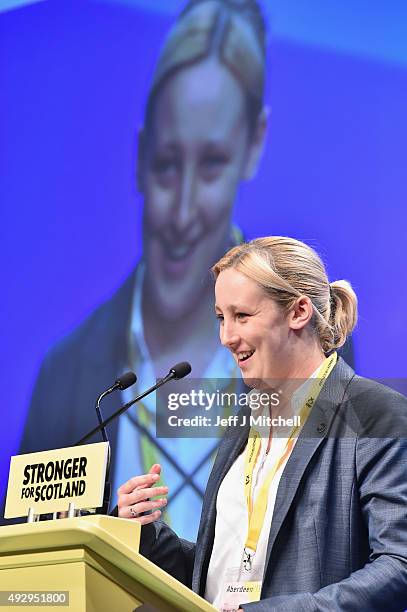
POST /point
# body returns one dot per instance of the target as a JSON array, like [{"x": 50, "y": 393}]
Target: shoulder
[
  {"x": 73, "y": 373},
  {"x": 107, "y": 322},
  {"x": 380, "y": 410}
]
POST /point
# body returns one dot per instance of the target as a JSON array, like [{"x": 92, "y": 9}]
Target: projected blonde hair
[{"x": 286, "y": 269}]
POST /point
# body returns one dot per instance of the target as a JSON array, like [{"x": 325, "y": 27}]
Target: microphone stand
[
  {"x": 108, "y": 485},
  {"x": 178, "y": 371},
  {"x": 121, "y": 383},
  {"x": 120, "y": 411}
]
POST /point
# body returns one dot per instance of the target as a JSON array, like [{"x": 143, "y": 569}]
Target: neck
[
  {"x": 304, "y": 360},
  {"x": 193, "y": 332}
]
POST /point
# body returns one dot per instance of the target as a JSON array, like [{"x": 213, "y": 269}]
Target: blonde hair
[
  {"x": 286, "y": 269},
  {"x": 231, "y": 30}
]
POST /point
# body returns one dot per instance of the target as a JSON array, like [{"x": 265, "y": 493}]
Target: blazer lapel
[{"x": 314, "y": 431}]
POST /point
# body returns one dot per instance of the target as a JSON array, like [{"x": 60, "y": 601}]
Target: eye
[
  {"x": 212, "y": 165},
  {"x": 241, "y": 315},
  {"x": 165, "y": 168},
  {"x": 219, "y": 317}
]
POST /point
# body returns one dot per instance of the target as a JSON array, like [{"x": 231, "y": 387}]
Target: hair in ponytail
[{"x": 343, "y": 313}]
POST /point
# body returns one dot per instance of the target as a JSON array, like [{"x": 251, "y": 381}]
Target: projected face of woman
[{"x": 196, "y": 152}]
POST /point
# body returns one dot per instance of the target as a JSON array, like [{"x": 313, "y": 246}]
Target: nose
[
  {"x": 229, "y": 336},
  {"x": 185, "y": 206}
]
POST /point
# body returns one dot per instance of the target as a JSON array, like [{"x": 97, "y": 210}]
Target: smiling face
[
  {"x": 254, "y": 328},
  {"x": 195, "y": 154}
]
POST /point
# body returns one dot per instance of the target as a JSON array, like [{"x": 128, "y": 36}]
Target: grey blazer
[{"x": 338, "y": 538}]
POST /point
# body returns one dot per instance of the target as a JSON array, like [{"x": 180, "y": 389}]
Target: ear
[
  {"x": 141, "y": 158},
  {"x": 300, "y": 313},
  {"x": 256, "y": 145}
]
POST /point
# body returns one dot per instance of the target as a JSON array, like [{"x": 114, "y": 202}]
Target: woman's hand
[{"x": 135, "y": 497}]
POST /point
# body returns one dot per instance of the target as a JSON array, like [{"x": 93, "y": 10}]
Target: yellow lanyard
[{"x": 257, "y": 511}]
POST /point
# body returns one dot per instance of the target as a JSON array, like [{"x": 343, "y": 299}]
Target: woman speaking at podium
[{"x": 309, "y": 517}]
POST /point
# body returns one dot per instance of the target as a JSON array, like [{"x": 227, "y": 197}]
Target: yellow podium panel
[{"x": 93, "y": 560}]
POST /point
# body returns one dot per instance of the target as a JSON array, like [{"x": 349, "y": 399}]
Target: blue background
[{"x": 73, "y": 80}]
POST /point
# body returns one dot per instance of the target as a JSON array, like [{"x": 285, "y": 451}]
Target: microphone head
[
  {"x": 126, "y": 380},
  {"x": 180, "y": 370}
]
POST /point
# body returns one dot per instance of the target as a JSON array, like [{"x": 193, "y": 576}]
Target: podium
[{"x": 95, "y": 560}]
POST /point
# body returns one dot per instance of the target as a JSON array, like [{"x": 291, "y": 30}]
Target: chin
[
  {"x": 169, "y": 311},
  {"x": 173, "y": 304},
  {"x": 261, "y": 384},
  {"x": 251, "y": 381}
]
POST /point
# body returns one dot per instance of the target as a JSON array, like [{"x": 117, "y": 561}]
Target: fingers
[
  {"x": 135, "y": 496},
  {"x": 133, "y": 511},
  {"x": 155, "y": 469},
  {"x": 146, "y": 480},
  {"x": 139, "y": 495},
  {"x": 140, "y": 500},
  {"x": 148, "y": 505},
  {"x": 149, "y": 518}
]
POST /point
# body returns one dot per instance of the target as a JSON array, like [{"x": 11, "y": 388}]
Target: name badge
[{"x": 238, "y": 590}]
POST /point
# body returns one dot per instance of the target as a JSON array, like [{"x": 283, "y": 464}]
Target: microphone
[
  {"x": 124, "y": 382},
  {"x": 180, "y": 370}
]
